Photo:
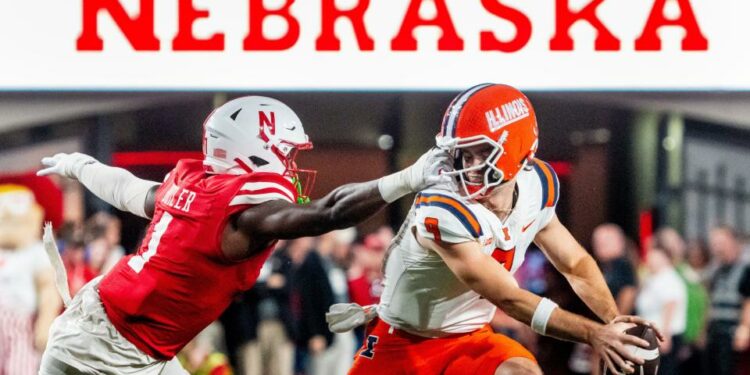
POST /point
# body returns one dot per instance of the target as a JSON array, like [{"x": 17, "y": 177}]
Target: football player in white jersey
[{"x": 452, "y": 263}]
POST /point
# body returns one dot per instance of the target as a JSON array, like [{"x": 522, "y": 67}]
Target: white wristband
[
  {"x": 541, "y": 316},
  {"x": 394, "y": 186}
]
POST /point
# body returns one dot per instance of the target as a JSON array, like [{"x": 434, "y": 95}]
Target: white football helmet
[{"x": 255, "y": 134}]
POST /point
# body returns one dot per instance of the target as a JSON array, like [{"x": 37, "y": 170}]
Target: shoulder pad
[
  {"x": 263, "y": 187},
  {"x": 550, "y": 183},
  {"x": 442, "y": 217}
]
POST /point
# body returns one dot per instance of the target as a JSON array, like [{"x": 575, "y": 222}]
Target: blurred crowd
[
  {"x": 279, "y": 326},
  {"x": 697, "y": 292}
]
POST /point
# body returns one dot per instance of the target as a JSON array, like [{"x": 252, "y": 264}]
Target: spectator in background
[
  {"x": 271, "y": 348},
  {"x": 366, "y": 271},
  {"x": 338, "y": 358},
  {"x": 28, "y": 299},
  {"x": 697, "y": 297},
  {"x": 609, "y": 245},
  {"x": 240, "y": 321},
  {"x": 699, "y": 259},
  {"x": 611, "y": 251},
  {"x": 663, "y": 300},
  {"x": 729, "y": 317},
  {"x": 363, "y": 275},
  {"x": 310, "y": 298},
  {"x": 200, "y": 357},
  {"x": 102, "y": 236},
  {"x": 74, "y": 257}
]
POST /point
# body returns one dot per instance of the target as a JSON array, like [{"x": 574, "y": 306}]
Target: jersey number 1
[{"x": 138, "y": 261}]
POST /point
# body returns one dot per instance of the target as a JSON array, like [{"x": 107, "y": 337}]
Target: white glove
[
  {"x": 426, "y": 172},
  {"x": 343, "y": 317},
  {"x": 67, "y": 165},
  {"x": 115, "y": 186}
]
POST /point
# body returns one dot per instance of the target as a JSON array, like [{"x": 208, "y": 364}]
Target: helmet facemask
[
  {"x": 302, "y": 179},
  {"x": 492, "y": 176}
]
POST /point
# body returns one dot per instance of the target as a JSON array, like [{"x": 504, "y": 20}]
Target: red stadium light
[
  {"x": 562, "y": 168},
  {"x": 645, "y": 230}
]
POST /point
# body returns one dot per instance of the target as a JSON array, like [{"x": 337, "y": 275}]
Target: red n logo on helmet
[{"x": 265, "y": 122}]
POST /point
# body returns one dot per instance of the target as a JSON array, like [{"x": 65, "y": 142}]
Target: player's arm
[
  {"x": 343, "y": 207},
  {"x": 484, "y": 275},
  {"x": 115, "y": 186},
  {"x": 578, "y": 267}
]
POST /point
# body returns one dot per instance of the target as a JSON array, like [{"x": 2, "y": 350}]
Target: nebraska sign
[{"x": 374, "y": 44}]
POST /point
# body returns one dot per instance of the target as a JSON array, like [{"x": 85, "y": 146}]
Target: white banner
[{"x": 368, "y": 44}]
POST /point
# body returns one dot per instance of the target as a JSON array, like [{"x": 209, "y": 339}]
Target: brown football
[{"x": 650, "y": 354}]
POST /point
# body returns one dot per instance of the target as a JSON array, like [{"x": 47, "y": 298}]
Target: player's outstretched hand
[
  {"x": 610, "y": 341},
  {"x": 428, "y": 171},
  {"x": 67, "y": 165}
]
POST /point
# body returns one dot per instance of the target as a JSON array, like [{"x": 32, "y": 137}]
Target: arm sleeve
[
  {"x": 117, "y": 187},
  {"x": 446, "y": 219}
]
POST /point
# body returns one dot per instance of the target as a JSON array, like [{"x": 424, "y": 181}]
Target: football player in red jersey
[{"x": 214, "y": 223}]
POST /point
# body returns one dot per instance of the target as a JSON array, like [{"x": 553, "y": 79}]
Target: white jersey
[{"x": 422, "y": 296}]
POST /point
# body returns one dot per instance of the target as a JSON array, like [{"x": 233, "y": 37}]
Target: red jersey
[{"x": 179, "y": 281}]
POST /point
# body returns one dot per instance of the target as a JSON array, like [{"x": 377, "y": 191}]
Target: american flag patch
[{"x": 220, "y": 153}]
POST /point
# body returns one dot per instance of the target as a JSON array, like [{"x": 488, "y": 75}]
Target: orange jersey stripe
[
  {"x": 456, "y": 205},
  {"x": 550, "y": 183}
]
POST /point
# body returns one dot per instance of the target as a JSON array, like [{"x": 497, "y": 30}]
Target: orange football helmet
[{"x": 499, "y": 116}]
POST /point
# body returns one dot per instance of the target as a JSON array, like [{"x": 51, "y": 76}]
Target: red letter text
[
  {"x": 139, "y": 30},
  {"x": 694, "y": 39},
  {"x": 562, "y": 41},
  {"x": 405, "y": 41},
  {"x": 185, "y": 40},
  {"x": 256, "y": 41},
  {"x": 488, "y": 42},
  {"x": 327, "y": 41}
]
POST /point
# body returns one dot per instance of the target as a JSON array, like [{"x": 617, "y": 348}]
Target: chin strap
[{"x": 301, "y": 198}]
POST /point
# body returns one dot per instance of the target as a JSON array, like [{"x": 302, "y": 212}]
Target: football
[{"x": 650, "y": 354}]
